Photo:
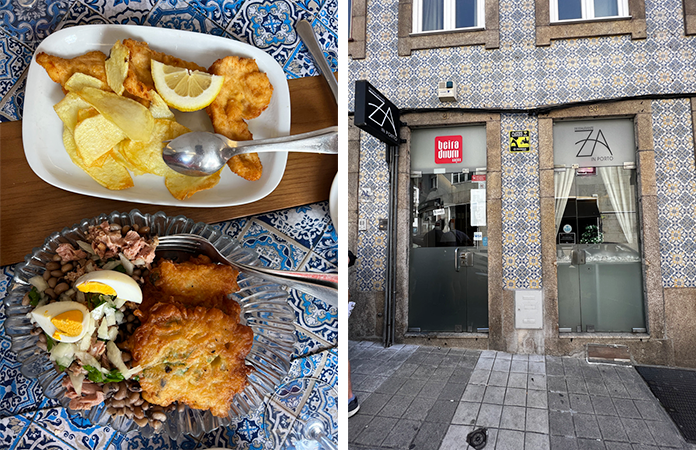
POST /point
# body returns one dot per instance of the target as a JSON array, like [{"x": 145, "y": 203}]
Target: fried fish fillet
[
  {"x": 245, "y": 94},
  {"x": 60, "y": 69},
  {"x": 196, "y": 282},
  {"x": 139, "y": 81},
  {"x": 192, "y": 355}
]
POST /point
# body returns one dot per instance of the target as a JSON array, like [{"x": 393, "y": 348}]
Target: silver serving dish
[{"x": 264, "y": 308}]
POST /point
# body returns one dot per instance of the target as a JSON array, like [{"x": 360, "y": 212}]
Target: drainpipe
[{"x": 392, "y": 156}]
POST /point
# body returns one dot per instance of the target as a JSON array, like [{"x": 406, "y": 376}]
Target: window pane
[
  {"x": 606, "y": 8},
  {"x": 433, "y": 15},
  {"x": 466, "y": 13},
  {"x": 569, "y": 9}
]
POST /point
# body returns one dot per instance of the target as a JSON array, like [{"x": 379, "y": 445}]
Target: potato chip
[
  {"x": 111, "y": 175},
  {"x": 134, "y": 119},
  {"x": 95, "y": 137},
  {"x": 117, "y": 67},
  {"x": 118, "y": 155},
  {"x": 147, "y": 156},
  {"x": 79, "y": 81},
  {"x": 182, "y": 186},
  {"x": 67, "y": 109},
  {"x": 159, "y": 108}
]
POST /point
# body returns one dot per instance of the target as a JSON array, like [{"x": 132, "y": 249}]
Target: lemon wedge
[{"x": 184, "y": 89}]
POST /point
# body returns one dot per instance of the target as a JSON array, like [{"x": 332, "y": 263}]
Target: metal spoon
[{"x": 201, "y": 153}]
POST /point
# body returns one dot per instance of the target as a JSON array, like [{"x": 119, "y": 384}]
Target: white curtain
[
  {"x": 433, "y": 14},
  {"x": 618, "y": 184},
  {"x": 563, "y": 181}
]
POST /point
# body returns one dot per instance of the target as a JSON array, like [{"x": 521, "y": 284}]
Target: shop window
[
  {"x": 425, "y": 24},
  {"x": 569, "y": 19},
  {"x": 458, "y": 178},
  {"x": 445, "y": 15},
  {"x": 356, "y": 28}
]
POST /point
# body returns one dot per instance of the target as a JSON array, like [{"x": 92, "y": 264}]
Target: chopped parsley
[
  {"x": 96, "y": 376},
  {"x": 34, "y": 296},
  {"x": 50, "y": 343},
  {"x": 96, "y": 300}
]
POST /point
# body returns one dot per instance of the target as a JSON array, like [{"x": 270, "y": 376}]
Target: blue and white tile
[
  {"x": 123, "y": 12},
  {"x": 179, "y": 15},
  {"x": 37, "y": 437},
  {"x": 273, "y": 250},
  {"x": 220, "y": 12},
  {"x": 315, "y": 316},
  {"x": 18, "y": 394},
  {"x": 11, "y": 430},
  {"x": 135, "y": 441},
  {"x": 32, "y": 25},
  {"x": 305, "y": 224},
  {"x": 79, "y": 14},
  {"x": 78, "y": 431}
]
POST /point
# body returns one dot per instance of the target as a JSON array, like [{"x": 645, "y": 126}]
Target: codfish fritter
[
  {"x": 139, "y": 78},
  {"x": 196, "y": 282},
  {"x": 192, "y": 355},
  {"x": 245, "y": 94},
  {"x": 61, "y": 69}
]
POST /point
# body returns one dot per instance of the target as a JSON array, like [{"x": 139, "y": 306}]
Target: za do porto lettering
[{"x": 448, "y": 149}]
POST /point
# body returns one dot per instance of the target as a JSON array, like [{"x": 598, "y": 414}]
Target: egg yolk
[
  {"x": 96, "y": 286},
  {"x": 68, "y": 323}
]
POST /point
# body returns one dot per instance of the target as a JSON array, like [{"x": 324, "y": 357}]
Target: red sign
[
  {"x": 448, "y": 149},
  {"x": 478, "y": 178}
]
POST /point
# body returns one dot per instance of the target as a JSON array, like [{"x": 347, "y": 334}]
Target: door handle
[
  {"x": 457, "y": 262},
  {"x": 468, "y": 259},
  {"x": 465, "y": 259},
  {"x": 577, "y": 257}
]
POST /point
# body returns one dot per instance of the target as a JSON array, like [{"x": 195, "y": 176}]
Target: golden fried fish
[
  {"x": 192, "y": 355},
  {"x": 245, "y": 94},
  {"x": 61, "y": 69}
]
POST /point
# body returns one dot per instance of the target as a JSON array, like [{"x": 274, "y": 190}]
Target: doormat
[{"x": 676, "y": 391}]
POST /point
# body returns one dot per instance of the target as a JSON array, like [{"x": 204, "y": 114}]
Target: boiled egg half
[
  {"x": 63, "y": 321},
  {"x": 110, "y": 282}
]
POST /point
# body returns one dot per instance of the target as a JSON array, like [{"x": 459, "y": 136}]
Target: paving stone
[
  {"x": 423, "y": 371},
  {"x": 597, "y": 387},
  {"x": 559, "y": 401},
  {"x": 563, "y": 443},
  {"x": 429, "y": 436},
  {"x": 590, "y": 444},
  {"x": 452, "y": 392},
  {"x": 451, "y": 360},
  {"x": 375, "y": 431},
  {"x": 665, "y": 433},
  {"x": 509, "y": 440},
  {"x": 468, "y": 362},
  {"x": 639, "y": 391},
  {"x": 442, "y": 411},
  {"x": 405, "y": 370},
  {"x": 494, "y": 394},
  {"x": 357, "y": 424},
  {"x": 402, "y": 434},
  {"x": 576, "y": 385},
  {"x": 473, "y": 393},
  {"x": 503, "y": 356},
  {"x": 395, "y": 406},
  {"x": 484, "y": 364},
  {"x": 411, "y": 387},
  {"x": 479, "y": 376},
  {"x": 626, "y": 408},
  {"x": 433, "y": 359},
  {"x": 556, "y": 383},
  {"x": 516, "y": 397},
  {"x": 498, "y": 378},
  {"x": 519, "y": 366},
  {"x": 536, "y": 381},
  {"x": 638, "y": 431},
  {"x": 553, "y": 368},
  {"x": 586, "y": 426},
  {"x": 374, "y": 403},
  {"x": 536, "y": 441},
  {"x": 489, "y": 416},
  {"x": 442, "y": 373},
  {"x": 537, "y": 399},
  {"x": 616, "y": 389},
  {"x": 572, "y": 370},
  {"x": 591, "y": 372},
  {"x": 512, "y": 418},
  {"x": 561, "y": 423},
  {"x": 390, "y": 385},
  {"x": 621, "y": 446},
  {"x": 612, "y": 429},
  {"x": 455, "y": 438},
  {"x": 645, "y": 447},
  {"x": 581, "y": 403},
  {"x": 466, "y": 413},
  {"x": 650, "y": 410},
  {"x": 517, "y": 380},
  {"x": 431, "y": 389},
  {"x": 603, "y": 406},
  {"x": 537, "y": 367},
  {"x": 502, "y": 365},
  {"x": 370, "y": 383},
  {"x": 460, "y": 376},
  {"x": 537, "y": 421},
  {"x": 419, "y": 408}
]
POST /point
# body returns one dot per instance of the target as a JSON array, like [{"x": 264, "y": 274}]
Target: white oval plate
[{"x": 42, "y": 130}]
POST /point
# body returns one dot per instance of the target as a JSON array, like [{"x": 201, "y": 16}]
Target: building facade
[{"x": 543, "y": 197}]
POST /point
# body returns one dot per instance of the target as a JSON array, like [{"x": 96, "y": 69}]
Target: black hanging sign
[{"x": 375, "y": 114}]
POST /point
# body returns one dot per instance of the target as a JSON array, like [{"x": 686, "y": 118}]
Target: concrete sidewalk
[{"x": 416, "y": 397}]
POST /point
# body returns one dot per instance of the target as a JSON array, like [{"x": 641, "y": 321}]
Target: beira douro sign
[{"x": 375, "y": 114}]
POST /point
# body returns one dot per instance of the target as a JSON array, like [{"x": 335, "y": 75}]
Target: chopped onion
[
  {"x": 86, "y": 247},
  {"x": 63, "y": 353},
  {"x": 114, "y": 355},
  {"x": 111, "y": 265},
  {"x": 38, "y": 282},
  {"x": 126, "y": 264},
  {"x": 76, "y": 381}
]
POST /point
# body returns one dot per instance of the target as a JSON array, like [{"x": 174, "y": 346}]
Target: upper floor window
[
  {"x": 587, "y": 9},
  {"x": 445, "y": 15}
]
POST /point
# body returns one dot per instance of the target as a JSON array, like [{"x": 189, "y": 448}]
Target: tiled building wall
[{"x": 520, "y": 77}]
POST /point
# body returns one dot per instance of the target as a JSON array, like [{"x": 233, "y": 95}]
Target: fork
[{"x": 319, "y": 285}]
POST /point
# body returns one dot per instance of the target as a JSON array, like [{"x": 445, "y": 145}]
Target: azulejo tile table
[{"x": 289, "y": 231}]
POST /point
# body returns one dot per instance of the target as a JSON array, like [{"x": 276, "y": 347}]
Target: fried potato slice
[
  {"x": 183, "y": 187},
  {"x": 147, "y": 156},
  {"x": 159, "y": 108},
  {"x": 68, "y": 108},
  {"x": 192, "y": 355},
  {"x": 245, "y": 94},
  {"x": 79, "y": 81},
  {"x": 138, "y": 81},
  {"x": 60, "y": 69},
  {"x": 118, "y": 155},
  {"x": 134, "y": 119},
  {"x": 117, "y": 67},
  {"x": 111, "y": 174},
  {"x": 95, "y": 137}
]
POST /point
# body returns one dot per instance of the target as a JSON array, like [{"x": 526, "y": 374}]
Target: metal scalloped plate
[{"x": 264, "y": 308}]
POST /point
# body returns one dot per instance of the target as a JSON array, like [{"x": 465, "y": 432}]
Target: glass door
[
  {"x": 600, "y": 274},
  {"x": 449, "y": 253}
]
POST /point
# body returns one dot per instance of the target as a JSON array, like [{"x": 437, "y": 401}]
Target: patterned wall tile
[
  {"x": 179, "y": 15},
  {"x": 124, "y": 12},
  {"x": 31, "y": 25}
]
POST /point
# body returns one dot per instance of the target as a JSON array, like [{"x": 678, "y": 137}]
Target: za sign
[
  {"x": 375, "y": 114},
  {"x": 448, "y": 149}
]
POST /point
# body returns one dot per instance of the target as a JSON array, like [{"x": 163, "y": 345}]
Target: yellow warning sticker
[{"x": 519, "y": 141}]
